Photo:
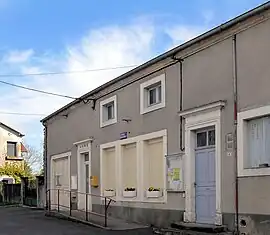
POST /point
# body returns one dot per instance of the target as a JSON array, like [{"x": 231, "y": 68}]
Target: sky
[{"x": 41, "y": 36}]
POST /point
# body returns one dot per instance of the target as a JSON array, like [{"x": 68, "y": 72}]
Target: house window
[
  {"x": 258, "y": 135},
  {"x": 108, "y": 111},
  {"x": 253, "y": 138},
  {"x": 152, "y": 94},
  {"x": 11, "y": 149}
]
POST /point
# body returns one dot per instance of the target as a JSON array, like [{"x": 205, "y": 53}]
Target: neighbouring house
[
  {"x": 161, "y": 138},
  {"x": 11, "y": 148}
]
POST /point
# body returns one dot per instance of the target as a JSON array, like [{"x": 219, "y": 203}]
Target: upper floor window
[
  {"x": 108, "y": 111},
  {"x": 11, "y": 149},
  {"x": 152, "y": 94}
]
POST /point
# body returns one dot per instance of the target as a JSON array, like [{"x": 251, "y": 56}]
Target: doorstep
[
  {"x": 206, "y": 228},
  {"x": 172, "y": 231}
]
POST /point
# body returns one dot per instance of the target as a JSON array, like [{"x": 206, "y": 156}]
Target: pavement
[{"x": 25, "y": 221}]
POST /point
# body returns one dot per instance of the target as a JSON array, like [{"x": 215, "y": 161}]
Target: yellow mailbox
[{"x": 94, "y": 181}]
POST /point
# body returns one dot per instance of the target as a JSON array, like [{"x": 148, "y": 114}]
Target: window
[
  {"x": 152, "y": 94},
  {"x": 258, "y": 131},
  {"x": 108, "y": 111},
  {"x": 205, "y": 138},
  {"x": 11, "y": 149},
  {"x": 253, "y": 137}
]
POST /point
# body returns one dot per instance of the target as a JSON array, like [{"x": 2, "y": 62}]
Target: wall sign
[
  {"x": 123, "y": 135},
  {"x": 174, "y": 172}
]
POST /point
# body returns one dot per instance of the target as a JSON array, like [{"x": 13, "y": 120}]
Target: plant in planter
[
  {"x": 130, "y": 189},
  {"x": 109, "y": 192},
  {"x": 129, "y": 192},
  {"x": 153, "y": 192}
]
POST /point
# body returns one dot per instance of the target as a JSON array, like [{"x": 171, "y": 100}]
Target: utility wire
[
  {"x": 54, "y": 73},
  {"x": 66, "y": 72},
  {"x": 36, "y": 90},
  {"x": 22, "y": 114}
]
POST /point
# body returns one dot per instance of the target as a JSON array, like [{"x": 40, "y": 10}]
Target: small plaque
[{"x": 123, "y": 135}]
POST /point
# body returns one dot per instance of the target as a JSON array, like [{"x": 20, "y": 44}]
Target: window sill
[
  {"x": 108, "y": 123},
  {"x": 152, "y": 108},
  {"x": 264, "y": 171},
  {"x": 14, "y": 158}
]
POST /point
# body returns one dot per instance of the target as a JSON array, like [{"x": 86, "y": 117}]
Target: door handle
[{"x": 195, "y": 184}]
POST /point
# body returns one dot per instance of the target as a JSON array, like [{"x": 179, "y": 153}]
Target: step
[
  {"x": 171, "y": 231},
  {"x": 206, "y": 228}
]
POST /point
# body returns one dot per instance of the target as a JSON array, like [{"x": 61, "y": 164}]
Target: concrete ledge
[
  {"x": 171, "y": 231},
  {"x": 62, "y": 216},
  {"x": 205, "y": 228},
  {"x": 33, "y": 207}
]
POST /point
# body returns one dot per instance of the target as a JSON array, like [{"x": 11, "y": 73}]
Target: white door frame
[
  {"x": 83, "y": 146},
  {"x": 195, "y": 119}
]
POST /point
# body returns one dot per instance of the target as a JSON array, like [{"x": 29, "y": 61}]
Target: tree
[
  {"x": 15, "y": 170},
  {"x": 34, "y": 158}
]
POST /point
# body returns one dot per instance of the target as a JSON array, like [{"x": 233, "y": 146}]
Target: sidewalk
[{"x": 96, "y": 220}]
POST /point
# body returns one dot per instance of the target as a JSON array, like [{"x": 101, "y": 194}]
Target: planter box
[
  {"x": 129, "y": 194},
  {"x": 109, "y": 193},
  {"x": 153, "y": 194}
]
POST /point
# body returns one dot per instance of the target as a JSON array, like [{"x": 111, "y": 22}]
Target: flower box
[
  {"x": 130, "y": 193},
  {"x": 109, "y": 193},
  {"x": 153, "y": 192}
]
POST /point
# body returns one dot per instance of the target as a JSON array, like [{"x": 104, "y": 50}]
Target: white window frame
[
  {"x": 144, "y": 95},
  {"x": 52, "y": 167},
  {"x": 243, "y": 117},
  {"x": 140, "y": 161},
  {"x": 103, "y": 103}
]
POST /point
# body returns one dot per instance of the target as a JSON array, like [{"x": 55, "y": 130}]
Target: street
[{"x": 24, "y": 221}]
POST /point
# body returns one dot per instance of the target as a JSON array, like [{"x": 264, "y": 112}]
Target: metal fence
[
  {"x": 78, "y": 205},
  {"x": 10, "y": 194},
  {"x": 30, "y": 192}
]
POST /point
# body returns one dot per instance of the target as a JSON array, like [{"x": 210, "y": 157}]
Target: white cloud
[
  {"x": 18, "y": 56},
  {"x": 182, "y": 33},
  {"x": 110, "y": 46}
]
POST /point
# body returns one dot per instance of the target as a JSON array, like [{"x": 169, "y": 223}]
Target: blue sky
[{"x": 45, "y": 35}]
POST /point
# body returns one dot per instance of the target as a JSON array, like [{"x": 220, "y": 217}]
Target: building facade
[
  {"x": 192, "y": 124},
  {"x": 11, "y": 148}
]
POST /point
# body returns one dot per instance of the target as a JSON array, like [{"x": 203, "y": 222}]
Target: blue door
[{"x": 205, "y": 179}]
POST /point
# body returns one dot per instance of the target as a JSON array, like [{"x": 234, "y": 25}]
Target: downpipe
[{"x": 235, "y": 98}]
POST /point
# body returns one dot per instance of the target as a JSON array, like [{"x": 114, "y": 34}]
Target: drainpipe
[
  {"x": 235, "y": 96},
  {"x": 182, "y": 148},
  {"x": 45, "y": 161}
]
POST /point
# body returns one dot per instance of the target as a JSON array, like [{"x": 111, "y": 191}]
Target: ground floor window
[{"x": 135, "y": 169}]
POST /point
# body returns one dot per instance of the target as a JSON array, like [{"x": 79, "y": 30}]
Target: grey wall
[
  {"x": 254, "y": 82},
  {"x": 83, "y": 122},
  {"x": 208, "y": 77}
]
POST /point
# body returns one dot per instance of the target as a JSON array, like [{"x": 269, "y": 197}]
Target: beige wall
[{"x": 4, "y": 137}]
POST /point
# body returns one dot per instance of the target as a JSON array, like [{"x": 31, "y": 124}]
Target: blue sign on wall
[{"x": 123, "y": 135}]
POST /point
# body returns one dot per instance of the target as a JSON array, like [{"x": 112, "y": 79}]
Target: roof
[
  {"x": 11, "y": 129},
  {"x": 23, "y": 148},
  {"x": 170, "y": 53}
]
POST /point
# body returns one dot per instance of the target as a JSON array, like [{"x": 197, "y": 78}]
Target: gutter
[{"x": 168, "y": 54}]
